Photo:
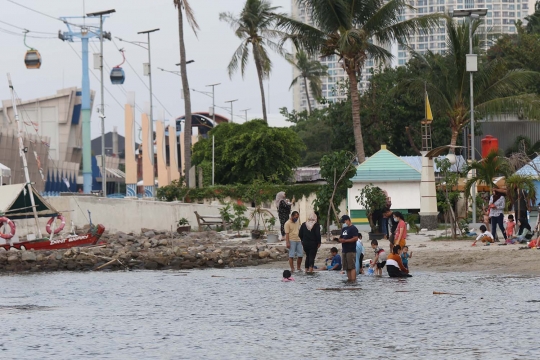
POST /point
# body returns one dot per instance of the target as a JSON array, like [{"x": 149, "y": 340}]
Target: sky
[{"x": 211, "y": 50}]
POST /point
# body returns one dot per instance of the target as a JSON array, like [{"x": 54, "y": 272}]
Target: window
[{"x": 401, "y": 62}]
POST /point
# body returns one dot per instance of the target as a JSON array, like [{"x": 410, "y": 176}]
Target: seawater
[{"x": 250, "y": 314}]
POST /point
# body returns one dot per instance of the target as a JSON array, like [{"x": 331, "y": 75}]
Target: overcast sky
[{"x": 212, "y": 51}]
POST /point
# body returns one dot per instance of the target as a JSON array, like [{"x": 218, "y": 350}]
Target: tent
[
  {"x": 5, "y": 172},
  {"x": 15, "y": 202}
]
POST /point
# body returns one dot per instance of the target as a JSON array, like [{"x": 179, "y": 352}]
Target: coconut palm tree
[
  {"x": 521, "y": 187},
  {"x": 354, "y": 31},
  {"x": 184, "y": 6},
  {"x": 309, "y": 70},
  {"x": 486, "y": 170},
  {"x": 255, "y": 26},
  {"x": 496, "y": 89}
]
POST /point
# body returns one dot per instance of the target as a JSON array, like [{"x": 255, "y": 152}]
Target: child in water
[
  {"x": 380, "y": 258},
  {"x": 287, "y": 276},
  {"x": 405, "y": 256}
]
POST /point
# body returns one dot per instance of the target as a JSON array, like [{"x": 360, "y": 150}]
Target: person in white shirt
[
  {"x": 485, "y": 236},
  {"x": 496, "y": 216}
]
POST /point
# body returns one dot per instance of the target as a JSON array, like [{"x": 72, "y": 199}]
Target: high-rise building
[
  {"x": 330, "y": 84},
  {"x": 501, "y": 19}
]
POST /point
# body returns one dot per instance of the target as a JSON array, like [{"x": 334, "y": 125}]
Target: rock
[
  {"x": 220, "y": 262},
  {"x": 147, "y": 245},
  {"x": 58, "y": 256},
  {"x": 28, "y": 256},
  {"x": 274, "y": 255},
  {"x": 149, "y": 234},
  {"x": 263, "y": 254},
  {"x": 151, "y": 265},
  {"x": 12, "y": 258},
  {"x": 163, "y": 242}
]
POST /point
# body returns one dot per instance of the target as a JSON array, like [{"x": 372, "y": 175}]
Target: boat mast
[{"x": 22, "y": 153}]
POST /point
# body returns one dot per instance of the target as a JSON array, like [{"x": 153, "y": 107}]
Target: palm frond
[
  {"x": 404, "y": 29},
  {"x": 239, "y": 58},
  {"x": 527, "y": 105},
  {"x": 190, "y": 15}
]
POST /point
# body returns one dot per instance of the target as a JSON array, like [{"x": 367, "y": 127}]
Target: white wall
[{"x": 404, "y": 195}]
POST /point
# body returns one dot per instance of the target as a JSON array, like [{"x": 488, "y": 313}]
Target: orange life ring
[
  {"x": 58, "y": 229},
  {"x": 11, "y": 226}
]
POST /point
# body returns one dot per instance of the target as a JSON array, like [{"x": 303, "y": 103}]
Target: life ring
[
  {"x": 58, "y": 229},
  {"x": 11, "y": 226}
]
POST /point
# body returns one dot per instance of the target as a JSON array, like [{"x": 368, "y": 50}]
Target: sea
[{"x": 249, "y": 313}]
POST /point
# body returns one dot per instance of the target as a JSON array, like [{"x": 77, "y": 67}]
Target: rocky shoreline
[{"x": 150, "y": 250}]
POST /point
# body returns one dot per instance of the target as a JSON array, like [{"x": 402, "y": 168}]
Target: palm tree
[
  {"x": 190, "y": 16},
  {"x": 487, "y": 169},
  {"x": 521, "y": 187},
  {"x": 255, "y": 26},
  {"x": 310, "y": 70},
  {"x": 354, "y": 31},
  {"x": 496, "y": 89}
]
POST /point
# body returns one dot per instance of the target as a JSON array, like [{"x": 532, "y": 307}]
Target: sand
[{"x": 451, "y": 255}]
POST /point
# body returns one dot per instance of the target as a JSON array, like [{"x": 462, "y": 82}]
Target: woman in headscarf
[
  {"x": 524, "y": 233},
  {"x": 283, "y": 207},
  {"x": 310, "y": 234},
  {"x": 496, "y": 208}
]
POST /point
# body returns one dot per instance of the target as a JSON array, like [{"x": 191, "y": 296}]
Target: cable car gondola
[
  {"x": 117, "y": 73},
  {"x": 32, "y": 58}
]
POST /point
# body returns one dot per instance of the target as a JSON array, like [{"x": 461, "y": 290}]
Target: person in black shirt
[
  {"x": 310, "y": 234},
  {"x": 349, "y": 236}
]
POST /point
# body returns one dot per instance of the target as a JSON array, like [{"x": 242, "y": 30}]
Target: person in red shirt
[
  {"x": 510, "y": 226},
  {"x": 401, "y": 230}
]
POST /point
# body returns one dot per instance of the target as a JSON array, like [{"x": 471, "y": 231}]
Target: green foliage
[
  {"x": 270, "y": 223},
  {"x": 371, "y": 198},
  {"x": 235, "y": 217},
  {"x": 412, "y": 220},
  {"x": 260, "y": 217},
  {"x": 183, "y": 222},
  {"x": 336, "y": 168},
  {"x": 447, "y": 195},
  {"x": 533, "y": 21},
  {"x": 255, "y": 192},
  {"x": 250, "y": 151},
  {"x": 526, "y": 187},
  {"x": 487, "y": 169},
  {"x": 524, "y": 145}
]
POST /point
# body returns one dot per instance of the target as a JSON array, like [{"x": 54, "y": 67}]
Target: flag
[{"x": 429, "y": 115}]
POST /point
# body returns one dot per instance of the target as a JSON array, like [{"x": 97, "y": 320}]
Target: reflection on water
[{"x": 251, "y": 314}]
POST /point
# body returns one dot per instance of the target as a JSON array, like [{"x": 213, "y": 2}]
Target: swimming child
[
  {"x": 510, "y": 226},
  {"x": 336, "y": 260},
  {"x": 405, "y": 256},
  {"x": 380, "y": 257},
  {"x": 485, "y": 236},
  {"x": 287, "y": 276}
]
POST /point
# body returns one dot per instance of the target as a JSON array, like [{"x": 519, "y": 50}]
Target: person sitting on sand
[
  {"x": 524, "y": 232},
  {"x": 287, "y": 276},
  {"x": 394, "y": 265},
  {"x": 336, "y": 260},
  {"x": 485, "y": 236},
  {"x": 380, "y": 257}
]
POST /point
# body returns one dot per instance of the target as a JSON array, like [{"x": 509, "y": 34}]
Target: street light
[
  {"x": 231, "y": 102},
  {"x": 246, "y": 110},
  {"x": 148, "y": 71},
  {"x": 213, "y": 101},
  {"x": 472, "y": 66},
  {"x": 102, "y": 113}
]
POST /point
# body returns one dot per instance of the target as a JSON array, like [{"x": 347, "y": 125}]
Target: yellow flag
[{"x": 429, "y": 115}]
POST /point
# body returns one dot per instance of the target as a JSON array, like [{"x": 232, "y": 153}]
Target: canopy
[
  {"x": 15, "y": 202},
  {"x": 4, "y": 172}
]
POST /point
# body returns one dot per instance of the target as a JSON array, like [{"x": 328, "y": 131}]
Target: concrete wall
[{"x": 404, "y": 195}]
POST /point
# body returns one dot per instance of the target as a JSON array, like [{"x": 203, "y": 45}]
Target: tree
[
  {"x": 255, "y": 26},
  {"x": 190, "y": 16},
  {"x": 523, "y": 145},
  {"x": 354, "y": 31},
  {"x": 521, "y": 187},
  {"x": 310, "y": 70},
  {"x": 497, "y": 90},
  {"x": 371, "y": 198},
  {"x": 486, "y": 170},
  {"x": 533, "y": 20},
  {"x": 249, "y": 151}
]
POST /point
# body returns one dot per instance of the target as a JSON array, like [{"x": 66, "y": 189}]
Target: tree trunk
[
  {"x": 187, "y": 98},
  {"x": 453, "y": 141},
  {"x": 260, "y": 74},
  {"x": 357, "y": 125},
  {"x": 307, "y": 95}
]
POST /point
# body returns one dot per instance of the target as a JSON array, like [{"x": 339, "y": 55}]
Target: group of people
[
  {"x": 494, "y": 217},
  {"x": 305, "y": 240}
]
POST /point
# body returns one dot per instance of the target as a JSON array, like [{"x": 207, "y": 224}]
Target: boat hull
[{"x": 59, "y": 242}]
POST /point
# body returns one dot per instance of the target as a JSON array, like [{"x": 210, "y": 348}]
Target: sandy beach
[{"x": 451, "y": 255}]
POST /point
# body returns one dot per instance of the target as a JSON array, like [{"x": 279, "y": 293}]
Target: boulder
[
  {"x": 149, "y": 234},
  {"x": 263, "y": 254},
  {"x": 12, "y": 258},
  {"x": 28, "y": 256}
]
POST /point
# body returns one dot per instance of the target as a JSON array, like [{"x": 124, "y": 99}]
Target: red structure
[{"x": 489, "y": 144}]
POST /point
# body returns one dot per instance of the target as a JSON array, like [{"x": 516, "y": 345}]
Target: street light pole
[
  {"x": 231, "y": 102},
  {"x": 472, "y": 65},
  {"x": 213, "y": 102},
  {"x": 246, "y": 110},
  {"x": 148, "y": 71},
  {"x": 102, "y": 111}
]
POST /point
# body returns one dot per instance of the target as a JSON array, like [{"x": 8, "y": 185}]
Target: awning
[
  {"x": 4, "y": 171},
  {"x": 15, "y": 203}
]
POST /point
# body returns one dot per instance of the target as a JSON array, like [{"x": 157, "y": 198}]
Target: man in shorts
[
  {"x": 292, "y": 228},
  {"x": 349, "y": 235}
]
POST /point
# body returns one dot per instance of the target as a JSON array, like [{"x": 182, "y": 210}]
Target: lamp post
[
  {"x": 148, "y": 71},
  {"x": 472, "y": 66},
  {"x": 102, "y": 112},
  {"x": 231, "y": 102},
  {"x": 213, "y": 101},
  {"x": 245, "y": 111}
]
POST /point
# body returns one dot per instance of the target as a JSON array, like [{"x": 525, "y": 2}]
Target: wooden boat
[{"x": 22, "y": 201}]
